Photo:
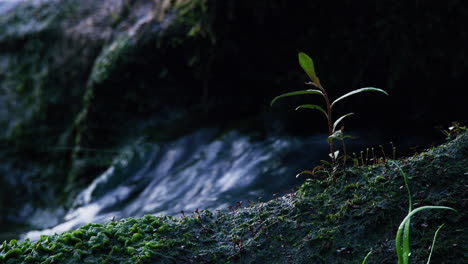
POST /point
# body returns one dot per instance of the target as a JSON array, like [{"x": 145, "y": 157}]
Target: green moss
[{"x": 323, "y": 222}]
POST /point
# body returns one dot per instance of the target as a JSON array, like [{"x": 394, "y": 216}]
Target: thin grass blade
[
  {"x": 367, "y": 256},
  {"x": 398, "y": 248},
  {"x": 406, "y": 248},
  {"x": 410, "y": 202},
  {"x": 433, "y": 243},
  {"x": 310, "y": 106},
  {"x": 309, "y": 91},
  {"x": 366, "y": 89}
]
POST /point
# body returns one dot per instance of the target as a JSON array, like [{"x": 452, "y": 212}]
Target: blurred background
[{"x": 119, "y": 108}]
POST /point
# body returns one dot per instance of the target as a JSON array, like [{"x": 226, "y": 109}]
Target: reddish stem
[{"x": 329, "y": 114}]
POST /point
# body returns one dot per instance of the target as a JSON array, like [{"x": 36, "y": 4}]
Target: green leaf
[
  {"x": 400, "y": 252},
  {"x": 309, "y": 106},
  {"x": 406, "y": 248},
  {"x": 366, "y": 89},
  {"x": 339, "y": 120},
  {"x": 310, "y": 91},
  {"x": 308, "y": 66},
  {"x": 404, "y": 253}
]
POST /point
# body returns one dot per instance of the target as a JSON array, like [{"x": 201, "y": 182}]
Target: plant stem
[{"x": 329, "y": 114}]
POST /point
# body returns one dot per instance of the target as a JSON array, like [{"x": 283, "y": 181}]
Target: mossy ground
[{"x": 323, "y": 222}]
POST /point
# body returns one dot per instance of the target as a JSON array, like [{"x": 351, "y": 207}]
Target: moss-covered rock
[
  {"x": 323, "y": 222},
  {"x": 78, "y": 78}
]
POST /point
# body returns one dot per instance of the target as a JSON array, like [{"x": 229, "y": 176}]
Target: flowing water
[{"x": 203, "y": 170}]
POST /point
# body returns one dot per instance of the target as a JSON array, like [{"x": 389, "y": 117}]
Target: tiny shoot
[{"x": 308, "y": 66}]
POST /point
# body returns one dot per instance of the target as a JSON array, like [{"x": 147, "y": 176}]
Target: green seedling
[
  {"x": 308, "y": 66},
  {"x": 403, "y": 251}
]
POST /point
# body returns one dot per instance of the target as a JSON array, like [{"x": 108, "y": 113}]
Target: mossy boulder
[
  {"x": 323, "y": 222},
  {"x": 80, "y": 78}
]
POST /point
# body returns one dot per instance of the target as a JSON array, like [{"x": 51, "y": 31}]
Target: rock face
[{"x": 324, "y": 222}]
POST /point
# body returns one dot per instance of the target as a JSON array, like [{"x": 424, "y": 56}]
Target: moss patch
[{"x": 324, "y": 222}]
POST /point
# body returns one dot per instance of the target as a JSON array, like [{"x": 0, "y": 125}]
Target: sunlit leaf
[
  {"x": 339, "y": 120},
  {"x": 308, "y": 66},
  {"x": 366, "y": 89},
  {"x": 310, "y": 91},
  {"x": 336, "y": 135},
  {"x": 309, "y": 106}
]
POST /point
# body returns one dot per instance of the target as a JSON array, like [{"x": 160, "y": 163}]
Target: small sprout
[
  {"x": 367, "y": 156},
  {"x": 308, "y": 66},
  {"x": 383, "y": 152},
  {"x": 355, "y": 160},
  {"x": 393, "y": 150},
  {"x": 373, "y": 156}
]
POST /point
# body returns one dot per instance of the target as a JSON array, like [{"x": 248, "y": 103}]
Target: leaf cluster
[{"x": 308, "y": 66}]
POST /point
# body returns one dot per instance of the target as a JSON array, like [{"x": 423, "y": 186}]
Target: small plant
[
  {"x": 454, "y": 130},
  {"x": 403, "y": 251},
  {"x": 308, "y": 66}
]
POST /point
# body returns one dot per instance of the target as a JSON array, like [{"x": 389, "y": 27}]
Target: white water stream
[{"x": 200, "y": 170}]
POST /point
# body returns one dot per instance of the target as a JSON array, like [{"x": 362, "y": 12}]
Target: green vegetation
[
  {"x": 367, "y": 256},
  {"x": 403, "y": 252},
  {"x": 320, "y": 223},
  {"x": 308, "y": 66}
]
